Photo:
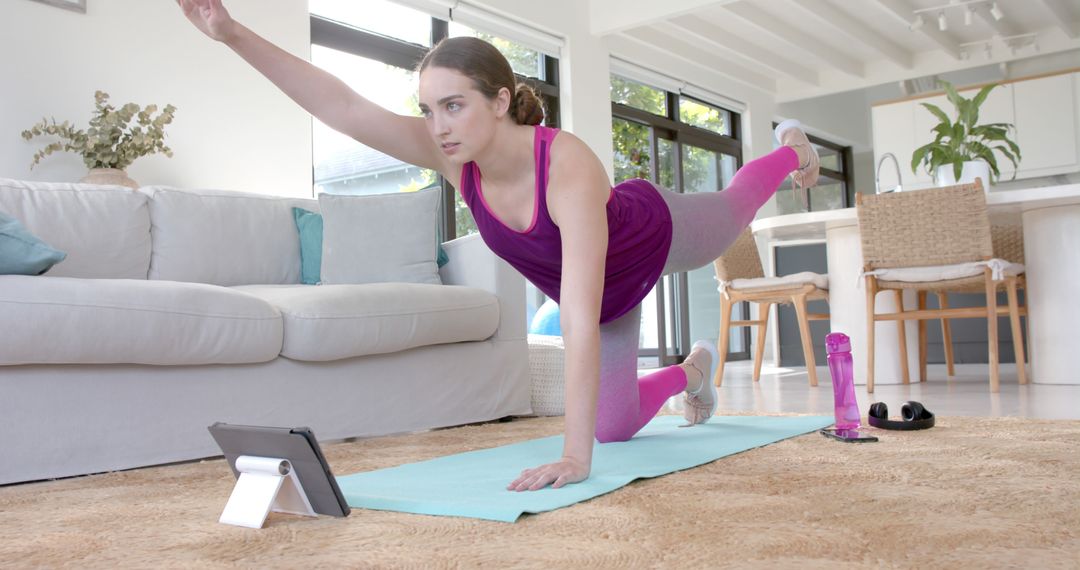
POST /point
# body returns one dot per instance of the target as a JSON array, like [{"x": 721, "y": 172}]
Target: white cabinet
[
  {"x": 1046, "y": 125},
  {"x": 1045, "y": 113},
  {"x": 999, "y": 107},
  {"x": 894, "y": 131}
]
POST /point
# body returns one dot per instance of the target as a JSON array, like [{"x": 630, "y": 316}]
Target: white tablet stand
[{"x": 265, "y": 484}]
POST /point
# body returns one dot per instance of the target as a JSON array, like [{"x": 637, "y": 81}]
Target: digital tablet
[{"x": 298, "y": 445}]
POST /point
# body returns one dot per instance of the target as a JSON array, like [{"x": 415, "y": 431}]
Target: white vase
[
  {"x": 111, "y": 176},
  {"x": 972, "y": 169}
]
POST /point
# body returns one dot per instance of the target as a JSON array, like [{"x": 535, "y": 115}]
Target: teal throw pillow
[
  {"x": 21, "y": 253},
  {"x": 310, "y": 226}
]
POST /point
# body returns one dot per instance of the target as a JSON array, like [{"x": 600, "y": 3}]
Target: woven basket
[{"x": 546, "y": 373}]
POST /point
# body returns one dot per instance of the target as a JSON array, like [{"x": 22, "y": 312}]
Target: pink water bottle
[{"x": 846, "y": 409}]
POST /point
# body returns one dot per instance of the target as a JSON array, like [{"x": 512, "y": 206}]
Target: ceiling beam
[
  {"x": 857, "y": 30},
  {"x": 692, "y": 53},
  {"x": 1001, "y": 27},
  {"x": 798, "y": 40},
  {"x": 905, "y": 13},
  {"x": 1065, "y": 20},
  {"x": 611, "y": 16},
  {"x": 711, "y": 34}
]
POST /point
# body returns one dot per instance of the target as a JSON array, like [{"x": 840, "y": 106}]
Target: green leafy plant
[
  {"x": 113, "y": 140},
  {"x": 962, "y": 140}
]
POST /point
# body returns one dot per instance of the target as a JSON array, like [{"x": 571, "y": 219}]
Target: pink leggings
[{"x": 704, "y": 225}]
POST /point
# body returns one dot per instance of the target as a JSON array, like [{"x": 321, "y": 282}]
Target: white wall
[{"x": 233, "y": 129}]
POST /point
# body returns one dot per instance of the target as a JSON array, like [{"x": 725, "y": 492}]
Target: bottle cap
[{"x": 837, "y": 342}]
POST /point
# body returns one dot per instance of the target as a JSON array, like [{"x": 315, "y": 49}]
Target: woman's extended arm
[
  {"x": 578, "y": 205},
  {"x": 321, "y": 94}
]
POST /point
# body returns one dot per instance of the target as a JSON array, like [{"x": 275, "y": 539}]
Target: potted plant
[
  {"x": 963, "y": 149},
  {"x": 112, "y": 142}
]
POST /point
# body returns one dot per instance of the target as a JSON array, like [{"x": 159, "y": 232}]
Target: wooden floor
[{"x": 966, "y": 394}]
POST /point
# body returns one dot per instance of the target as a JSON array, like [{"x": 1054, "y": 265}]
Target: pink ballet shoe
[{"x": 790, "y": 133}]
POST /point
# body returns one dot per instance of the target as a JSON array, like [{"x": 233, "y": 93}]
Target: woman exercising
[{"x": 542, "y": 201}]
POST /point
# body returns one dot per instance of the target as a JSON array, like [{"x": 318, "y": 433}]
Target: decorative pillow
[
  {"x": 21, "y": 253},
  {"x": 380, "y": 238},
  {"x": 310, "y": 226}
]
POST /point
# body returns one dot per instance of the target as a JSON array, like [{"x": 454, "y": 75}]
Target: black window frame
[{"x": 670, "y": 127}]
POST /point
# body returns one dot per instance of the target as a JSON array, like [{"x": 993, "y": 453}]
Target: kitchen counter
[{"x": 1051, "y": 222}]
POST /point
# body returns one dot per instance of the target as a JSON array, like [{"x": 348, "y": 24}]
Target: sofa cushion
[
  {"x": 21, "y": 252},
  {"x": 61, "y": 320},
  {"x": 381, "y": 238},
  {"x": 223, "y": 237},
  {"x": 105, "y": 230},
  {"x": 330, "y": 322},
  {"x": 309, "y": 224}
]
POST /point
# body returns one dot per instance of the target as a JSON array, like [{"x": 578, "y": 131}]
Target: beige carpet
[{"x": 972, "y": 492}]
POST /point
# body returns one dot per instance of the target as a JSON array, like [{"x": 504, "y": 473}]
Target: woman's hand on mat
[
  {"x": 566, "y": 470},
  {"x": 210, "y": 17}
]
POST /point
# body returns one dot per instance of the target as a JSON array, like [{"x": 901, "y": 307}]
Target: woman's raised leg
[{"x": 705, "y": 224}]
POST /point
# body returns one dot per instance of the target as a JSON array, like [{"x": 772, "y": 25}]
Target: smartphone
[{"x": 848, "y": 435}]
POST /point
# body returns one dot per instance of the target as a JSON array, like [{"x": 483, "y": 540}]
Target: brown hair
[{"x": 489, "y": 72}]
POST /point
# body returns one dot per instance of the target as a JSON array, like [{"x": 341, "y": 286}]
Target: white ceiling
[{"x": 796, "y": 49}]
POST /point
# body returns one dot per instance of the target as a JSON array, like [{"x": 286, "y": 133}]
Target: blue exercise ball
[{"x": 546, "y": 320}]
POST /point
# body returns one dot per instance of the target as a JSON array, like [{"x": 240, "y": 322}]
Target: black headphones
[{"x": 915, "y": 417}]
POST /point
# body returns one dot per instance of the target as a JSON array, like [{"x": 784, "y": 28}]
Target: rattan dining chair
[
  {"x": 1006, "y": 233},
  {"x": 742, "y": 279},
  {"x": 931, "y": 240}
]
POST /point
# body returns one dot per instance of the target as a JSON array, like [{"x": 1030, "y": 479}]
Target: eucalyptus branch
[{"x": 112, "y": 140}]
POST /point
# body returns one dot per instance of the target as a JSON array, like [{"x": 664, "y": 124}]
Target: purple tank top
[{"x": 639, "y": 235}]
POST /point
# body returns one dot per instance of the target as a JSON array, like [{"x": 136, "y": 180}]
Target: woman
[{"x": 542, "y": 201}]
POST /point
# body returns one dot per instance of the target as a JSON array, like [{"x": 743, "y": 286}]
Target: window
[
  {"x": 704, "y": 116},
  {"x": 524, "y": 61},
  {"x": 835, "y": 187},
  {"x": 379, "y": 16},
  {"x": 684, "y": 145},
  {"x": 638, "y": 96},
  {"x": 374, "y": 48},
  {"x": 345, "y": 166}
]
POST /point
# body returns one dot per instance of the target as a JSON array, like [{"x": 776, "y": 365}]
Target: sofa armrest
[{"x": 473, "y": 264}]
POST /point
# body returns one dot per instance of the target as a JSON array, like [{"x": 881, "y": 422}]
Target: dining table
[{"x": 1050, "y": 218}]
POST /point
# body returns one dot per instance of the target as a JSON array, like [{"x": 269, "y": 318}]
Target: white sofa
[{"x": 175, "y": 309}]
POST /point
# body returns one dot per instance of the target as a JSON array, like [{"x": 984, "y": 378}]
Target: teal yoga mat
[{"x": 473, "y": 484}]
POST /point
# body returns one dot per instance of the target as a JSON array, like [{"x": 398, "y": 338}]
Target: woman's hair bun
[{"x": 526, "y": 107}]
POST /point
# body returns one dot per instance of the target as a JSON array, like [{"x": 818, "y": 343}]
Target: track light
[
  {"x": 967, "y": 16},
  {"x": 942, "y": 23},
  {"x": 996, "y": 12},
  {"x": 917, "y": 22}
]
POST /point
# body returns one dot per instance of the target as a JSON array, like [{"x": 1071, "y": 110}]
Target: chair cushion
[
  {"x": 63, "y": 320},
  {"x": 942, "y": 272},
  {"x": 223, "y": 237},
  {"x": 105, "y": 230},
  {"x": 785, "y": 282},
  {"x": 330, "y": 322}
]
